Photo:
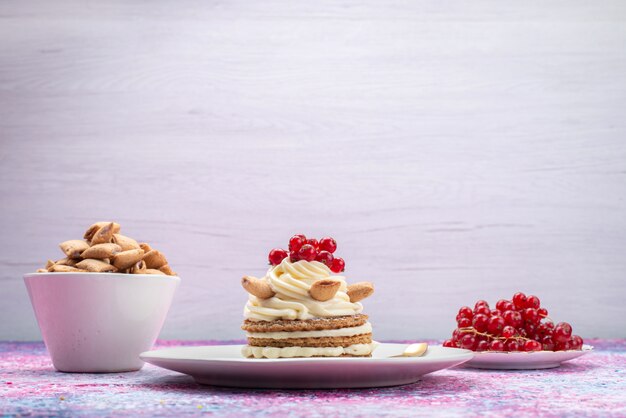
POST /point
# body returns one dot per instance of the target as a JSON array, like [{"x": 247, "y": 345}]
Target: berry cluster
[
  {"x": 301, "y": 248},
  {"x": 520, "y": 324}
]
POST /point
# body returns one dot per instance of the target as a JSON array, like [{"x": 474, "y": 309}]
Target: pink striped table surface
[{"x": 593, "y": 385}]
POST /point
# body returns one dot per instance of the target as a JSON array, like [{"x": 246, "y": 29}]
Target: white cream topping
[
  {"x": 287, "y": 352},
  {"x": 339, "y": 332},
  {"x": 291, "y": 282}
]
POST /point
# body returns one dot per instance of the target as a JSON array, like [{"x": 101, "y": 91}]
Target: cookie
[
  {"x": 316, "y": 324},
  {"x": 311, "y": 342}
]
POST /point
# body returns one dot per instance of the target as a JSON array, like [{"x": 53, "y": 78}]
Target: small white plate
[
  {"x": 225, "y": 366},
  {"x": 524, "y": 360}
]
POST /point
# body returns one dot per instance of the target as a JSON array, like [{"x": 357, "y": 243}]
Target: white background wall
[{"x": 456, "y": 150}]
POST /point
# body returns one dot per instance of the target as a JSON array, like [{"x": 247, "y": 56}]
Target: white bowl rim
[{"x": 101, "y": 275}]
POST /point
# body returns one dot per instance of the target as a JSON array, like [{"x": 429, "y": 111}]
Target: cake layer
[
  {"x": 311, "y": 342},
  {"x": 339, "y": 332},
  {"x": 357, "y": 350},
  {"x": 315, "y": 324}
]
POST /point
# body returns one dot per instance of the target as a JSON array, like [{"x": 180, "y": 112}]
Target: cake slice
[{"x": 302, "y": 307}]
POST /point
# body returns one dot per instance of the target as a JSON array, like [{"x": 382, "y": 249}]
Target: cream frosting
[
  {"x": 291, "y": 283},
  {"x": 286, "y": 352},
  {"x": 339, "y": 332}
]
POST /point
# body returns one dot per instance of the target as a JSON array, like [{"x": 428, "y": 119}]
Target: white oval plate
[
  {"x": 224, "y": 365},
  {"x": 524, "y": 360}
]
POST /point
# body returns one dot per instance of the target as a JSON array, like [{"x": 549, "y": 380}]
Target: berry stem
[{"x": 484, "y": 334}]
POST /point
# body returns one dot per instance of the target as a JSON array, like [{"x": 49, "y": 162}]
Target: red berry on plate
[
  {"x": 464, "y": 322},
  {"x": 338, "y": 265},
  {"x": 545, "y": 329},
  {"x": 468, "y": 341},
  {"x": 531, "y": 330},
  {"x": 293, "y": 256},
  {"x": 519, "y": 300},
  {"x": 276, "y": 256},
  {"x": 508, "y": 331},
  {"x": 456, "y": 335},
  {"x": 562, "y": 346},
  {"x": 480, "y": 322},
  {"x": 533, "y": 302},
  {"x": 328, "y": 244},
  {"x": 576, "y": 342},
  {"x": 513, "y": 318},
  {"x": 530, "y": 316},
  {"x": 313, "y": 242},
  {"x": 547, "y": 343},
  {"x": 325, "y": 257},
  {"x": 307, "y": 252},
  {"x": 504, "y": 305},
  {"x": 482, "y": 345},
  {"x": 532, "y": 345},
  {"x": 496, "y": 345},
  {"x": 482, "y": 309},
  {"x": 511, "y": 345},
  {"x": 481, "y": 303},
  {"x": 495, "y": 325},
  {"x": 466, "y": 312},
  {"x": 542, "y": 312},
  {"x": 449, "y": 343},
  {"x": 296, "y": 242},
  {"x": 562, "y": 332}
]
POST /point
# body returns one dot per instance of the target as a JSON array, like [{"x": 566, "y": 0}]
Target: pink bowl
[{"x": 99, "y": 322}]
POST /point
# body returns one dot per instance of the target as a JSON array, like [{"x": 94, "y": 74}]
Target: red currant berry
[
  {"x": 482, "y": 345},
  {"x": 495, "y": 312},
  {"x": 504, "y": 305},
  {"x": 276, "y": 256},
  {"x": 522, "y": 332},
  {"x": 466, "y": 311},
  {"x": 481, "y": 302},
  {"x": 296, "y": 242},
  {"x": 562, "y": 346},
  {"x": 562, "y": 332},
  {"x": 545, "y": 329},
  {"x": 338, "y": 265},
  {"x": 511, "y": 345},
  {"x": 533, "y": 302},
  {"x": 480, "y": 322},
  {"x": 456, "y": 335},
  {"x": 531, "y": 330},
  {"x": 519, "y": 300},
  {"x": 495, "y": 325},
  {"x": 496, "y": 345},
  {"x": 576, "y": 342},
  {"x": 464, "y": 322},
  {"x": 547, "y": 343},
  {"x": 449, "y": 343},
  {"x": 293, "y": 256},
  {"x": 513, "y": 318},
  {"x": 542, "y": 312},
  {"x": 530, "y": 316},
  {"x": 532, "y": 345},
  {"x": 325, "y": 257},
  {"x": 468, "y": 341},
  {"x": 328, "y": 244},
  {"x": 313, "y": 243},
  {"x": 307, "y": 252},
  {"x": 508, "y": 331},
  {"x": 482, "y": 309}
]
